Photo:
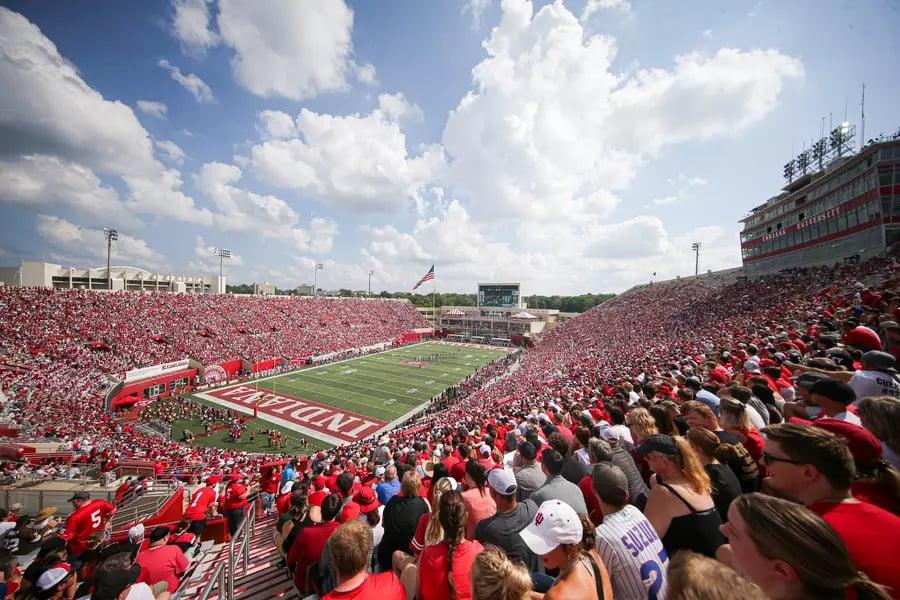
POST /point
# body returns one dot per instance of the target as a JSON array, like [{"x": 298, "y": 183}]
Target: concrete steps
[{"x": 263, "y": 579}]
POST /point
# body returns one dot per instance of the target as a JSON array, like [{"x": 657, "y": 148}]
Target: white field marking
[
  {"x": 389, "y": 401},
  {"x": 412, "y": 390},
  {"x": 445, "y": 374},
  {"x": 348, "y": 371},
  {"x": 429, "y": 382}
]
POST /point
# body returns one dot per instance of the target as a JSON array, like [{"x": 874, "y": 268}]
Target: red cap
[
  {"x": 234, "y": 477},
  {"x": 863, "y": 444},
  {"x": 319, "y": 482},
  {"x": 367, "y": 499},
  {"x": 213, "y": 480},
  {"x": 863, "y": 337},
  {"x": 350, "y": 511},
  {"x": 767, "y": 362}
]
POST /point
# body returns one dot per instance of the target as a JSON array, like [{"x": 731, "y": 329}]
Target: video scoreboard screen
[{"x": 499, "y": 295}]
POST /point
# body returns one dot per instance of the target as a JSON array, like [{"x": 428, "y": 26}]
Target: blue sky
[{"x": 573, "y": 146}]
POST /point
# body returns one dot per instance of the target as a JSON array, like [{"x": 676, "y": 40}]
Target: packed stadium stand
[{"x": 601, "y": 409}]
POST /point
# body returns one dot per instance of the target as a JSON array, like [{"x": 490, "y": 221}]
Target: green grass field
[{"x": 384, "y": 386}]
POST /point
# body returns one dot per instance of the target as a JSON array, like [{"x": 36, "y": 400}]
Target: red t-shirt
[
  {"x": 872, "y": 536},
  {"x": 307, "y": 549},
  {"x": 434, "y": 570},
  {"x": 270, "y": 483},
  {"x": 199, "y": 506},
  {"x": 591, "y": 500},
  {"x": 418, "y": 542},
  {"x": 384, "y": 586},
  {"x": 317, "y": 497},
  {"x": 85, "y": 522},
  {"x": 233, "y": 499},
  {"x": 163, "y": 563}
]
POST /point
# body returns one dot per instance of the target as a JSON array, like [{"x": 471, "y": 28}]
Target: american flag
[{"x": 427, "y": 277}]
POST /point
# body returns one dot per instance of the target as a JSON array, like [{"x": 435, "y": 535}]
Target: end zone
[{"x": 327, "y": 423}]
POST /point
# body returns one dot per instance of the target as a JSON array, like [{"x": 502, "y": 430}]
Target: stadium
[{"x": 165, "y": 433}]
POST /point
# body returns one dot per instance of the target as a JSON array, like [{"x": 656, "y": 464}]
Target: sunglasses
[{"x": 769, "y": 459}]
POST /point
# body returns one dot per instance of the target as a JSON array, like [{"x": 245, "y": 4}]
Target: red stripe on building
[{"x": 816, "y": 242}]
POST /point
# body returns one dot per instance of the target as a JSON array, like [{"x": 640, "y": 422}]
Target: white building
[{"x": 33, "y": 273}]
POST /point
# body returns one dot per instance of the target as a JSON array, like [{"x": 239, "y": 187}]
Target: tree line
[{"x": 574, "y": 304}]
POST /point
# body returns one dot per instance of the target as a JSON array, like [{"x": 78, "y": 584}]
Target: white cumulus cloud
[
  {"x": 190, "y": 24},
  {"x": 354, "y": 162},
  {"x": 89, "y": 245},
  {"x": 289, "y": 48},
  {"x": 152, "y": 108},
  {"x": 190, "y": 81}
]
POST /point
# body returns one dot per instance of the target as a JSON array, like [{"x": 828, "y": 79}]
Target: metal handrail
[
  {"x": 217, "y": 581},
  {"x": 243, "y": 551}
]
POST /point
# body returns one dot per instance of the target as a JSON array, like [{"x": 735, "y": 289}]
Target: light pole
[
  {"x": 222, "y": 254},
  {"x": 696, "y": 248},
  {"x": 111, "y": 236},
  {"x": 316, "y": 269},
  {"x": 370, "y": 281}
]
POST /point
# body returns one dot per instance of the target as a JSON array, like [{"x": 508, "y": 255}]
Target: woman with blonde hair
[
  {"x": 790, "y": 552},
  {"x": 680, "y": 507},
  {"x": 429, "y": 529},
  {"x": 495, "y": 577},
  {"x": 642, "y": 425},
  {"x": 734, "y": 419},
  {"x": 692, "y": 576},
  {"x": 881, "y": 416}
]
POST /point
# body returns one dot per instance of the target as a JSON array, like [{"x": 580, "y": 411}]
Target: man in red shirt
[
  {"x": 89, "y": 517},
  {"x": 161, "y": 561},
  {"x": 351, "y": 551},
  {"x": 202, "y": 505},
  {"x": 815, "y": 467},
  {"x": 235, "y": 502}
]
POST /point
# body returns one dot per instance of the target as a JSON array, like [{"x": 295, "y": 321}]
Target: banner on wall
[{"x": 156, "y": 370}]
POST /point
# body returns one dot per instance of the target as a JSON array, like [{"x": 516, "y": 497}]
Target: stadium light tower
[
  {"x": 111, "y": 236},
  {"x": 371, "y": 272},
  {"x": 222, "y": 253},
  {"x": 316, "y": 269},
  {"x": 696, "y": 248}
]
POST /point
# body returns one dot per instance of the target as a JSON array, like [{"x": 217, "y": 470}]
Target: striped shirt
[{"x": 633, "y": 554}]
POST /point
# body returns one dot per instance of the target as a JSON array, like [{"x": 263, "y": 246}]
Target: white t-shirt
[
  {"x": 139, "y": 591},
  {"x": 873, "y": 383},
  {"x": 633, "y": 555},
  {"x": 755, "y": 419}
]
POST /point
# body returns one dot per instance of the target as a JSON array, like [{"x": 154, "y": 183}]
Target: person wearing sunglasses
[{"x": 813, "y": 466}]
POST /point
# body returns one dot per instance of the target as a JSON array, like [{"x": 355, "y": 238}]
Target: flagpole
[{"x": 433, "y": 316}]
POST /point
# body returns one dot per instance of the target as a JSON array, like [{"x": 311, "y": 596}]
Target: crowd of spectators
[{"x": 679, "y": 439}]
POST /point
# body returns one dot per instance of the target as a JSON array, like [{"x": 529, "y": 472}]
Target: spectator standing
[
  {"x": 307, "y": 547},
  {"x": 557, "y": 487},
  {"x": 834, "y": 398},
  {"x": 512, "y": 517},
  {"x": 444, "y": 568},
  {"x": 389, "y": 487},
  {"x": 235, "y": 502},
  {"x": 737, "y": 456},
  {"x": 529, "y": 476},
  {"x": 495, "y": 577},
  {"x": 479, "y": 503},
  {"x": 202, "y": 505},
  {"x": 626, "y": 541},
  {"x": 162, "y": 562},
  {"x": 565, "y": 541},
  {"x": 680, "y": 506},
  {"x": 790, "y": 552},
  {"x": 350, "y": 549},
  {"x": 697, "y": 577},
  {"x": 401, "y": 516},
  {"x": 881, "y": 416},
  {"x": 88, "y": 518},
  {"x": 814, "y": 467},
  {"x": 725, "y": 485}
]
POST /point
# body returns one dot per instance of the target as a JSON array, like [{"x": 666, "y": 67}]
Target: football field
[{"x": 349, "y": 400}]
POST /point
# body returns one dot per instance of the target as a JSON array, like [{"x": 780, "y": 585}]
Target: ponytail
[
  {"x": 691, "y": 469},
  {"x": 453, "y": 517},
  {"x": 866, "y": 589}
]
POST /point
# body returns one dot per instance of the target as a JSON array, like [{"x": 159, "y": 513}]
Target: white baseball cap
[
  {"x": 503, "y": 481},
  {"x": 136, "y": 532},
  {"x": 286, "y": 487},
  {"x": 379, "y": 471},
  {"x": 555, "y": 523}
]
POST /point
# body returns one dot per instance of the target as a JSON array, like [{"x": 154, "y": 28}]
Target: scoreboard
[{"x": 499, "y": 295}]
